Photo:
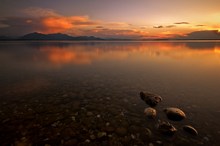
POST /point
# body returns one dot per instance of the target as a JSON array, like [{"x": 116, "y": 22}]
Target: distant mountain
[
  {"x": 196, "y": 35},
  {"x": 55, "y": 36},
  {"x": 59, "y": 36},
  {"x": 35, "y": 36},
  {"x": 4, "y": 38},
  {"x": 201, "y": 35}
]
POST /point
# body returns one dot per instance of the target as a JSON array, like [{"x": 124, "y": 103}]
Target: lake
[{"x": 87, "y": 93}]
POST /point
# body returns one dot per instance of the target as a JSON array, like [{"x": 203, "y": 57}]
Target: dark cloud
[
  {"x": 182, "y": 23},
  {"x": 113, "y": 33},
  {"x": 200, "y": 25},
  {"x": 160, "y": 26},
  {"x": 18, "y": 26},
  {"x": 170, "y": 26},
  {"x": 100, "y": 27},
  {"x": 85, "y": 23}
]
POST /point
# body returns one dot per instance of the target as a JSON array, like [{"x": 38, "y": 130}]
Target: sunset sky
[{"x": 109, "y": 18}]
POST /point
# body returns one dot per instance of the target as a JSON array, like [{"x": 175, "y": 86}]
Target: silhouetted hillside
[
  {"x": 56, "y": 36},
  {"x": 201, "y": 35},
  {"x": 4, "y": 38}
]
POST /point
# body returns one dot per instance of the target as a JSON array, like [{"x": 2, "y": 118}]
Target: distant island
[{"x": 197, "y": 35}]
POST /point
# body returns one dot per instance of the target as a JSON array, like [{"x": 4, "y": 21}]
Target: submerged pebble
[
  {"x": 206, "y": 138},
  {"x": 167, "y": 129},
  {"x": 89, "y": 114},
  {"x": 148, "y": 132},
  {"x": 150, "y": 98},
  {"x": 174, "y": 114},
  {"x": 189, "y": 129},
  {"x": 159, "y": 142},
  {"x": 101, "y": 134},
  {"x": 150, "y": 112},
  {"x": 92, "y": 137},
  {"x": 121, "y": 131}
]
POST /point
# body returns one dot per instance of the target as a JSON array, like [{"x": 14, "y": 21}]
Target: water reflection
[
  {"x": 49, "y": 54},
  {"x": 43, "y": 81},
  {"x": 82, "y": 53}
]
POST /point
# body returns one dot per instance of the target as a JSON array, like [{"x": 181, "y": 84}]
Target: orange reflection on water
[
  {"x": 86, "y": 54},
  {"x": 217, "y": 50},
  {"x": 60, "y": 56}
]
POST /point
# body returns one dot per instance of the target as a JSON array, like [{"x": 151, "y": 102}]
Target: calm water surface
[{"x": 87, "y": 93}]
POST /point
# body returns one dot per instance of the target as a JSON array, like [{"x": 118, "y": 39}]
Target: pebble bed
[{"x": 80, "y": 114}]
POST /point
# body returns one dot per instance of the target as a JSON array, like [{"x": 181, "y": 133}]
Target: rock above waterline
[
  {"x": 150, "y": 112},
  {"x": 167, "y": 129},
  {"x": 175, "y": 114},
  {"x": 150, "y": 98},
  {"x": 189, "y": 129}
]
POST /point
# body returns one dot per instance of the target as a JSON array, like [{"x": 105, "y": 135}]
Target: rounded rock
[
  {"x": 191, "y": 130},
  {"x": 167, "y": 129},
  {"x": 92, "y": 137},
  {"x": 174, "y": 114},
  {"x": 101, "y": 134},
  {"x": 150, "y": 98},
  {"x": 89, "y": 114},
  {"x": 121, "y": 131},
  {"x": 150, "y": 112},
  {"x": 148, "y": 132}
]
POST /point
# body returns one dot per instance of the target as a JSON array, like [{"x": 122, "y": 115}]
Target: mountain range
[
  {"x": 55, "y": 36},
  {"x": 196, "y": 35}
]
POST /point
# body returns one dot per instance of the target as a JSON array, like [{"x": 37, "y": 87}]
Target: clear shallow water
[{"x": 61, "y": 93}]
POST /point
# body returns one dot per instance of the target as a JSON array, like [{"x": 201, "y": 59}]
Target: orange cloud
[
  {"x": 49, "y": 21},
  {"x": 52, "y": 22},
  {"x": 56, "y": 24}
]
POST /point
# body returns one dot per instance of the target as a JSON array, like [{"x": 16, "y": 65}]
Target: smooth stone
[
  {"x": 174, "y": 114},
  {"x": 92, "y": 137},
  {"x": 206, "y": 138},
  {"x": 109, "y": 129},
  {"x": 133, "y": 136},
  {"x": 71, "y": 142},
  {"x": 150, "y": 112},
  {"x": 150, "y": 98},
  {"x": 89, "y": 114},
  {"x": 148, "y": 132},
  {"x": 107, "y": 124},
  {"x": 159, "y": 142},
  {"x": 101, "y": 134},
  {"x": 108, "y": 98},
  {"x": 121, "y": 131},
  {"x": 189, "y": 129},
  {"x": 87, "y": 141},
  {"x": 167, "y": 129}
]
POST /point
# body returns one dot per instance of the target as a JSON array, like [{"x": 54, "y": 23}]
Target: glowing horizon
[{"x": 118, "y": 19}]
